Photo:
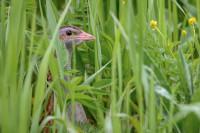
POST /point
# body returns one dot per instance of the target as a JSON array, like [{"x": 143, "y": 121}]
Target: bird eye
[{"x": 69, "y": 33}]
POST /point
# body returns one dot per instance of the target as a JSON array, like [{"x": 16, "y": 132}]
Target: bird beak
[{"x": 85, "y": 37}]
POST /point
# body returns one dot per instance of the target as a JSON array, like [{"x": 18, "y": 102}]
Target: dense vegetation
[{"x": 141, "y": 74}]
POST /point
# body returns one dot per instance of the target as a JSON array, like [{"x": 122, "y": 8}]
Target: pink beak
[{"x": 85, "y": 36}]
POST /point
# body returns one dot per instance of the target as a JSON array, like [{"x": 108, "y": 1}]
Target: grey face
[
  {"x": 71, "y": 34},
  {"x": 69, "y": 42}
]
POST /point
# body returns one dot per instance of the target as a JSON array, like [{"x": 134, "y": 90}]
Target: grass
[{"x": 130, "y": 79}]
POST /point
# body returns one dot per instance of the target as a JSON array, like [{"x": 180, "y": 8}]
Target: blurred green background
[{"x": 135, "y": 77}]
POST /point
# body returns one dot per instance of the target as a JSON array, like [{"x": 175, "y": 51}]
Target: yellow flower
[
  {"x": 183, "y": 33},
  {"x": 153, "y": 24},
  {"x": 192, "y": 20},
  {"x": 124, "y": 2}
]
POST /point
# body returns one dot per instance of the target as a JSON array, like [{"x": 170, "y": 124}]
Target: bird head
[{"x": 68, "y": 34}]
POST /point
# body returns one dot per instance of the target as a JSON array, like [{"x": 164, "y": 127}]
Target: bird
[{"x": 69, "y": 35}]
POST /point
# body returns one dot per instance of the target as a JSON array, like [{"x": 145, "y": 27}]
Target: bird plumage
[{"x": 70, "y": 35}]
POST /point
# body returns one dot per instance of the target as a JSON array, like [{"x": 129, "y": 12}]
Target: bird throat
[{"x": 68, "y": 66}]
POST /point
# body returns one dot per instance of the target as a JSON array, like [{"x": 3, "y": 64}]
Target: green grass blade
[
  {"x": 185, "y": 75},
  {"x": 91, "y": 78},
  {"x": 44, "y": 64}
]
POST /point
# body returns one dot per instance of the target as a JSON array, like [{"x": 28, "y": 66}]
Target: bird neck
[
  {"x": 69, "y": 50},
  {"x": 68, "y": 66}
]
